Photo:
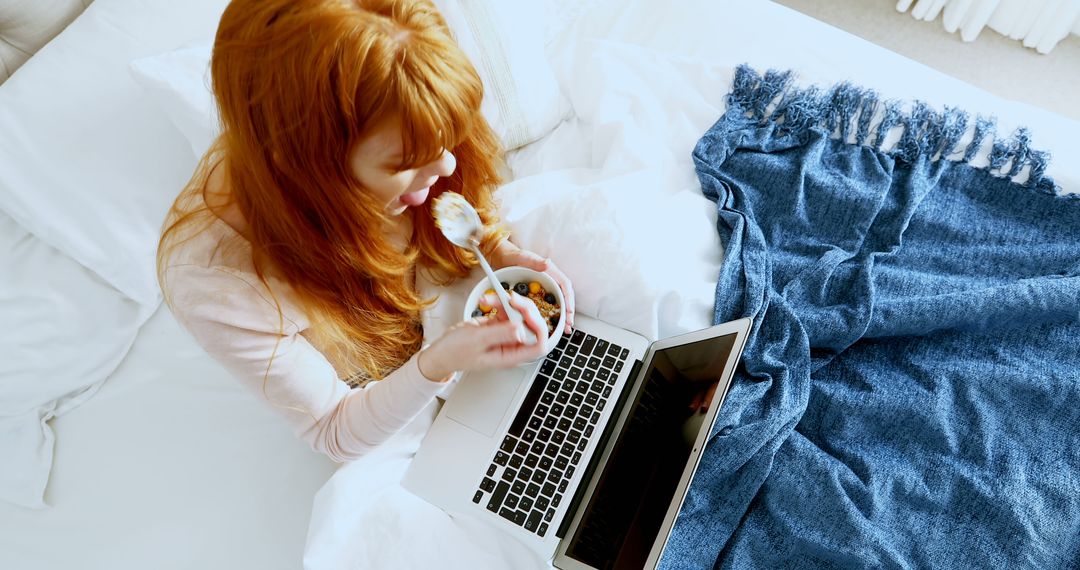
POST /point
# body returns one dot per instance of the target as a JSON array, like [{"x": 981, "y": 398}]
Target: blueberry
[
  {"x": 522, "y": 289},
  {"x": 505, "y": 285},
  {"x": 554, "y": 320},
  {"x": 478, "y": 313},
  {"x": 550, "y": 299}
]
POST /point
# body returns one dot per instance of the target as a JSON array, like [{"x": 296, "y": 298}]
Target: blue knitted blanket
[{"x": 910, "y": 391}]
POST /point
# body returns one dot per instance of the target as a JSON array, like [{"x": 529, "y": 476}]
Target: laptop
[{"x": 585, "y": 455}]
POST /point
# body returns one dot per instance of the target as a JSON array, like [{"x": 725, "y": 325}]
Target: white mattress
[{"x": 172, "y": 465}]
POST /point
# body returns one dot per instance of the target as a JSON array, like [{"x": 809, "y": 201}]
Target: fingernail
[{"x": 521, "y": 334}]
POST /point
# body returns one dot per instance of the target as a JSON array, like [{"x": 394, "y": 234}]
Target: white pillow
[
  {"x": 504, "y": 40},
  {"x": 88, "y": 164},
  {"x": 65, "y": 331}
]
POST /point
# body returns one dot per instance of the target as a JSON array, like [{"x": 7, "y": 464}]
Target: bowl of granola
[{"x": 538, "y": 287}]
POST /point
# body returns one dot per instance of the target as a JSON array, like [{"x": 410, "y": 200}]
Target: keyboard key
[
  {"x": 524, "y": 474},
  {"x": 588, "y": 344},
  {"x": 519, "y": 517},
  {"x": 580, "y": 423},
  {"x": 600, "y": 405},
  {"x": 548, "y": 366},
  {"x": 564, "y": 424},
  {"x": 551, "y": 422},
  {"x": 561, "y": 398},
  {"x": 561, "y": 462},
  {"x": 490, "y": 472},
  {"x": 588, "y": 431},
  {"x": 591, "y": 398},
  {"x": 575, "y": 459},
  {"x": 543, "y": 529},
  {"x": 587, "y": 410},
  {"x": 563, "y": 485},
  {"x": 607, "y": 392},
  {"x": 571, "y": 412},
  {"x": 545, "y": 434},
  {"x": 594, "y": 362},
  {"x": 609, "y": 362},
  {"x": 556, "y": 500},
  {"x": 539, "y": 474},
  {"x": 540, "y": 411},
  {"x": 533, "y": 522},
  {"x": 528, "y": 436},
  {"x": 554, "y": 386},
  {"x": 557, "y": 437},
  {"x": 517, "y": 488},
  {"x": 595, "y": 418},
  {"x": 548, "y": 490},
  {"x": 560, "y": 374},
  {"x": 501, "y": 458},
  {"x": 511, "y": 501},
  {"x": 555, "y": 474},
  {"x": 603, "y": 374},
  {"x": 531, "y": 490},
  {"x": 542, "y": 503},
  {"x": 487, "y": 484},
  {"x": 551, "y": 450},
  {"x": 581, "y": 360},
  {"x": 577, "y": 337},
  {"x": 549, "y": 515},
  {"x": 563, "y": 342},
  {"x": 525, "y": 504},
  {"x": 571, "y": 351},
  {"x": 573, "y": 436},
  {"x": 521, "y": 449},
  {"x": 588, "y": 375},
  {"x": 574, "y": 373},
  {"x": 507, "y": 514},
  {"x": 476, "y": 498},
  {"x": 545, "y": 463},
  {"x": 530, "y": 460},
  {"x": 509, "y": 475},
  {"x": 516, "y": 460},
  {"x": 601, "y": 346},
  {"x": 576, "y": 399},
  {"x": 547, "y": 398},
  {"x": 581, "y": 444},
  {"x": 581, "y": 387},
  {"x": 537, "y": 447},
  {"x": 570, "y": 472},
  {"x": 614, "y": 350},
  {"x": 566, "y": 362},
  {"x": 625, "y": 352},
  {"x": 618, "y": 367},
  {"x": 535, "y": 423},
  {"x": 497, "y": 497},
  {"x": 597, "y": 386},
  {"x": 508, "y": 444},
  {"x": 568, "y": 448},
  {"x": 557, "y": 410}
]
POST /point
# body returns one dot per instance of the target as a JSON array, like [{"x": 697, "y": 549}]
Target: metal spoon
[{"x": 460, "y": 223}]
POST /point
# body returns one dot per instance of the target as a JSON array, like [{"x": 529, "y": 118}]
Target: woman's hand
[
  {"x": 485, "y": 342},
  {"x": 507, "y": 254}
]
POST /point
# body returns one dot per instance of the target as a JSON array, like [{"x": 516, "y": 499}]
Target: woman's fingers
[{"x": 567, "y": 291}]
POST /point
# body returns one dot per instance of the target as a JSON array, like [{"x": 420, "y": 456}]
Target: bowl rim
[{"x": 478, "y": 290}]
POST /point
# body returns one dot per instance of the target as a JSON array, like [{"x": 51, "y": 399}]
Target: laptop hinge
[{"x": 598, "y": 452}]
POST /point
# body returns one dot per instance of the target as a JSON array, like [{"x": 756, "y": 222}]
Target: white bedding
[{"x": 171, "y": 465}]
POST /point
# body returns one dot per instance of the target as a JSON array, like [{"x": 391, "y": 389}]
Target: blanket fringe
[{"x": 849, "y": 113}]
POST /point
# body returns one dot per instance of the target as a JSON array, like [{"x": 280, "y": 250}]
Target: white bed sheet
[{"x": 172, "y": 465}]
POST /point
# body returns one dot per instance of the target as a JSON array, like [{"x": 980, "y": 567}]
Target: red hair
[{"x": 297, "y": 83}]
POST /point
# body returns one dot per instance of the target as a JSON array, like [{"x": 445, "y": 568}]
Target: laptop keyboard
[{"x": 542, "y": 449}]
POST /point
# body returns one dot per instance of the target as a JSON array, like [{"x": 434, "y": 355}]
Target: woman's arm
[{"x": 239, "y": 326}]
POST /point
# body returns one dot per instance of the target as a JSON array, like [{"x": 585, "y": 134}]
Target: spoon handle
[{"x": 511, "y": 312}]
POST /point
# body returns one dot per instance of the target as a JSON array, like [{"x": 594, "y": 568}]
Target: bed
[{"x": 127, "y": 447}]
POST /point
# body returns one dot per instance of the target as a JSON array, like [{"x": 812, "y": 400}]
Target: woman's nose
[{"x": 445, "y": 164}]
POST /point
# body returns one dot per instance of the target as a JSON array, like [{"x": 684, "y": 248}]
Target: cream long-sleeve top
[{"x": 215, "y": 294}]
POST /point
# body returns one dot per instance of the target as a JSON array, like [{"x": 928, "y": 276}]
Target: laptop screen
[{"x": 641, "y": 476}]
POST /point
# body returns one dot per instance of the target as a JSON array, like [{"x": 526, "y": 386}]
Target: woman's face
[{"x": 374, "y": 161}]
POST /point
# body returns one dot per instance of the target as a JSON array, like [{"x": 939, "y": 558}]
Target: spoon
[{"x": 460, "y": 223}]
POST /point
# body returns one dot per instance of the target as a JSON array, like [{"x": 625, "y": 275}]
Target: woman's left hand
[{"x": 507, "y": 254}]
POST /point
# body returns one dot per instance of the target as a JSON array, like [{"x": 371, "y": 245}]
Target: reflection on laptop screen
[{"x": 640, "y": 477}]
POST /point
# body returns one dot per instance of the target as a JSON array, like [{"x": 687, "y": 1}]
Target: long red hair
[{"x": 297, "y": 83}]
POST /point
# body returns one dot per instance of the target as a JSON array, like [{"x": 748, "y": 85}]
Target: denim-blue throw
[{"x": 909, "y": 395}]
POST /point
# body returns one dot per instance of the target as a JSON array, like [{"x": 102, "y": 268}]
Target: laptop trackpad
[{"x": 482, "y": 399}]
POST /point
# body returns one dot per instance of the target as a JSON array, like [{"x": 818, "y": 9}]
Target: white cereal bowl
[{"x": 513, "y": 275}]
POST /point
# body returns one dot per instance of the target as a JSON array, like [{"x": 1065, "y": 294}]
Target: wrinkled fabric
[{"x": 909, "y": 396}]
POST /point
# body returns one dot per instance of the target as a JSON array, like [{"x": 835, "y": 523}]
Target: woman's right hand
[{"x": 484, "y": 342}]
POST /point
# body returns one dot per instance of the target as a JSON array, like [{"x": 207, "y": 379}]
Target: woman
[{"x": 291, "y": 256}]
